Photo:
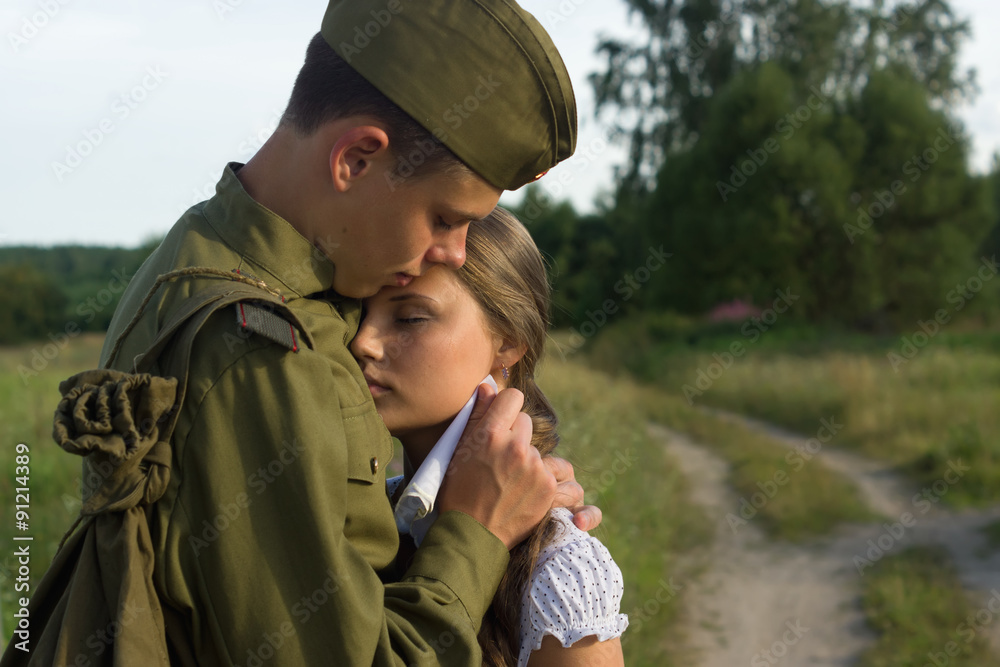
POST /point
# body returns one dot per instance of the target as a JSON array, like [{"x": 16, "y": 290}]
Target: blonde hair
[{"x": 505, "y": 273}]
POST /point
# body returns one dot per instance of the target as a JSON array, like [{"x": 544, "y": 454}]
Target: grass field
[
  {"x": 808, "y": 499},
  {"x": 603, "y": 431},
  {"x": 27, "y": 404},
  {"x": 940, "y": 406},
  {"x": 914, "y": 601},
  {"x": 649, "y": 523},
  {"x": 651, "y": 528}
]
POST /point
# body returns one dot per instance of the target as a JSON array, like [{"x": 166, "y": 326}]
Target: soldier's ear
[{"x": 354, "y": 154}]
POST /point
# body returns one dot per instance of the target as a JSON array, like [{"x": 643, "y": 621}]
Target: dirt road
[{"x": 761, "y": 602}]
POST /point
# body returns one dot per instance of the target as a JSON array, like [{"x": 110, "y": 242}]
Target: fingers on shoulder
[
  {"x": 587, "y": 518},
  {"x": 561, "y": 468}
]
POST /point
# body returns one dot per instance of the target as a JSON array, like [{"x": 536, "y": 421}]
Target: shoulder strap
[
  {"x": 82, "y": 589},
  {"x": 183, "y": 325}
]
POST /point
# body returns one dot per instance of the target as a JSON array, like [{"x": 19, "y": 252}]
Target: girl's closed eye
[
  {"x": 425, "y": 347},
  {"x": 410, "y": 315}
]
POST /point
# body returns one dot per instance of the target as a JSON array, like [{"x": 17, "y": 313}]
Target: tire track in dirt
[{"x": 764, "y": 602}]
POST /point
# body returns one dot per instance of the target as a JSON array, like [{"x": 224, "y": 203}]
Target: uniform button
[{"x": 374, "y": 464}]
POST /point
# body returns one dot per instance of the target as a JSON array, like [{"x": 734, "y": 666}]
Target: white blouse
[{"x": 575, "y": 591}]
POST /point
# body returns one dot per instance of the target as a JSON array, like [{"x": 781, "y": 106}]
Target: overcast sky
[{"x": 117, "y": 118}]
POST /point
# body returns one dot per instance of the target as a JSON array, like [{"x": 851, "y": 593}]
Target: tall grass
[
  {"x": 914, "y": 601},
  {"x": 27, "y": 403},
  {"x": 648, "y": 521},
  {"x": 940, "y": 406},
  {"x": 790, "y": 495}
]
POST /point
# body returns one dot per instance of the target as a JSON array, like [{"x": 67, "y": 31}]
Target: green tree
[
  {"x": 925, "y": 241},
  {"x": 581, "y": 251},
  {"x": 656, "y": 90},
  {"x": 91, "y": 278},
  {"x": 866, "y": 212},
  {"x": 32, "y": 303},
  {"x": 991, "y": 245}
]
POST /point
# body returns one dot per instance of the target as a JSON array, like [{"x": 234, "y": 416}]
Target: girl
[{"x": 424, "y": 349}]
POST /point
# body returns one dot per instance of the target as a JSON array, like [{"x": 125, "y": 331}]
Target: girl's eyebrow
[{"x": 411, "y": 295}]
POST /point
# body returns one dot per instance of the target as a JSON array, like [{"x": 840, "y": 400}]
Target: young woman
[{"x": 424, "y": 349}]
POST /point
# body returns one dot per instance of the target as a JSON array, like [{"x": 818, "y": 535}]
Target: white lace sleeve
[{"x": 575, "y": 591}]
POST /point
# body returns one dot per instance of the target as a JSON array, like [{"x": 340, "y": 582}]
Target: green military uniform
[
  {"x": 261, "y": 532},
  {"x": 238, "y": 516},
  {"x": 287, "y": 447}
]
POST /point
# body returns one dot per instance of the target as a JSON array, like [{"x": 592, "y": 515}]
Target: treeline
[
  {"x": 797, "y": 151},
  {"x": 611, "y": 264},
  {"x": 805, "y": 146},
  {"x": 63, "y": 289}
]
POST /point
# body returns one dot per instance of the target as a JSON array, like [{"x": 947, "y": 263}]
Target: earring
[{"x": 506, "y": 373}]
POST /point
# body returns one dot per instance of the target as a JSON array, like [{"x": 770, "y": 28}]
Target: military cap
[{"x": 482, "y": 76}]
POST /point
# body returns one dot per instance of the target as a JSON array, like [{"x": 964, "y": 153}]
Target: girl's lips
[{"x": 377, "y": 389}]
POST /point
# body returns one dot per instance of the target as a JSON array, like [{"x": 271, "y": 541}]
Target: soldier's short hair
[{"x": 327, "y": 88}]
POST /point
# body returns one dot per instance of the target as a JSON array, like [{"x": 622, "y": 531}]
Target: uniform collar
[{"x": 266, "y": 240}]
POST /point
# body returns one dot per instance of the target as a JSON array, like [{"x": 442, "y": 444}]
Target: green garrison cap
[{"x": 482, "y": 75}]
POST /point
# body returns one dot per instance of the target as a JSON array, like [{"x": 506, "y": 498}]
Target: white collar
[{"x": 415, "y": 509}]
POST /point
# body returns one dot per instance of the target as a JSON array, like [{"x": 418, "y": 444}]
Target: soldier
[{"x": 242, "y": 518}]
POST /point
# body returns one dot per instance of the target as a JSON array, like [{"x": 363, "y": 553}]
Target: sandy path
[
  {"x": 761, "y": 602},
  {"x": 886, "y": 492}
]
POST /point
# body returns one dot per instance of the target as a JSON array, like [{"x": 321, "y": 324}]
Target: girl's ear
[{"x": 506, "y": 358}]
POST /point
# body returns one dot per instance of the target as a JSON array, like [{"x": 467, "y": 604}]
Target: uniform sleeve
[
  {"x": 575, "y": 592},
  {"x": 263, "y": 555}
]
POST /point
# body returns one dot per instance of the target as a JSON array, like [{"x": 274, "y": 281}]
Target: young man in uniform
[{"x": 270, "y": 539}]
